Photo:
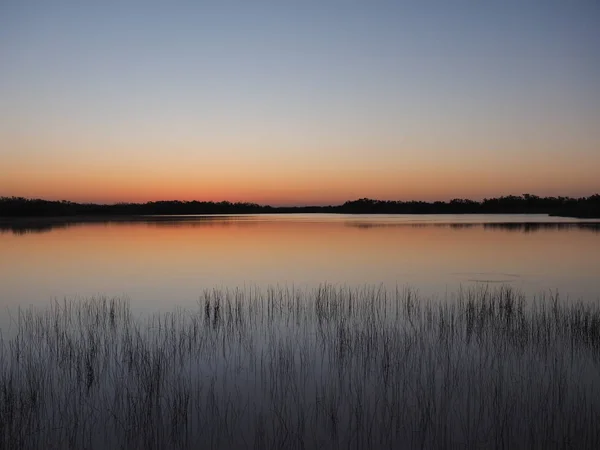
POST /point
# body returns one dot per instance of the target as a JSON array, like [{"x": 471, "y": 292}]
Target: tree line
[{"x": 583, "y": 207}]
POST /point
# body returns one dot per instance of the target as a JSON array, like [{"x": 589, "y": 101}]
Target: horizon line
[{"x": 297, "y": 205}]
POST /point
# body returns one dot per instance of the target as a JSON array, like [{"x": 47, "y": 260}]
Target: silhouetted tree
[{"x": 525, "y": 204}]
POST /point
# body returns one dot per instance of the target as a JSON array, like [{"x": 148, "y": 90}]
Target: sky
[{"x": 293, "y": 103}]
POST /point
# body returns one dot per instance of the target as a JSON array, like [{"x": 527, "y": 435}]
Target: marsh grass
[{"x": 284, "y": 368}]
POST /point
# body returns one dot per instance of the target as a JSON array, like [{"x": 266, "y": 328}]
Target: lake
[
  {"x": 324, "y": 345},
  {"x": 158, "y": 262}
]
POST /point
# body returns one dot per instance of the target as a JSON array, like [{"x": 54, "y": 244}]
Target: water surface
[{"x": 159, "y": 262}]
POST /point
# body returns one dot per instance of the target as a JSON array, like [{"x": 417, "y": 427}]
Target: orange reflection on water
[{"x": 163, "y": 263}]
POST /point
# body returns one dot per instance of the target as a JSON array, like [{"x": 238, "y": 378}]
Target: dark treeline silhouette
[
  {"x": 583, "y": 207},
  {"x": 525, "y": 204}
]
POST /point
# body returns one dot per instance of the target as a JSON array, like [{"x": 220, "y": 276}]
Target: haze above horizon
[{"x": 297, "y": 104}]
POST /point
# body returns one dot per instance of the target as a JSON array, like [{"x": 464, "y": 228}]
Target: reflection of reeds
[{"x": 282, "y": 368}]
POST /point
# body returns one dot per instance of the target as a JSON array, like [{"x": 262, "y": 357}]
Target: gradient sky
[{"x": 298, "y": 102}]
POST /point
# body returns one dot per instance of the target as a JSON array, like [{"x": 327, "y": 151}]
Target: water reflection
[
  {"x": 44, "y": 225},
  {"x": 500, "y": 226},
  {"x": 161, "y": 261}
]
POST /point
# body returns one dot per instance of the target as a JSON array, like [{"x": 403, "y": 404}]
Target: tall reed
[{"x": 285, "y": 368}]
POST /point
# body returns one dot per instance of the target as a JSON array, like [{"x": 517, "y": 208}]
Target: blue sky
[{"x": 287, "y": 102}]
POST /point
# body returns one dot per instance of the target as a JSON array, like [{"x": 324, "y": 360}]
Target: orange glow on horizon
[{"x": 319, "y": 186}]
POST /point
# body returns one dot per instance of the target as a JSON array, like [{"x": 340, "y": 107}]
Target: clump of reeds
[{"x": 284, "y": 368}]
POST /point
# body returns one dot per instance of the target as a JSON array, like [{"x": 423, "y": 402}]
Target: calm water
[
  {"x": 159, "y": 262},
  {"x": 339, "y": 374}
]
